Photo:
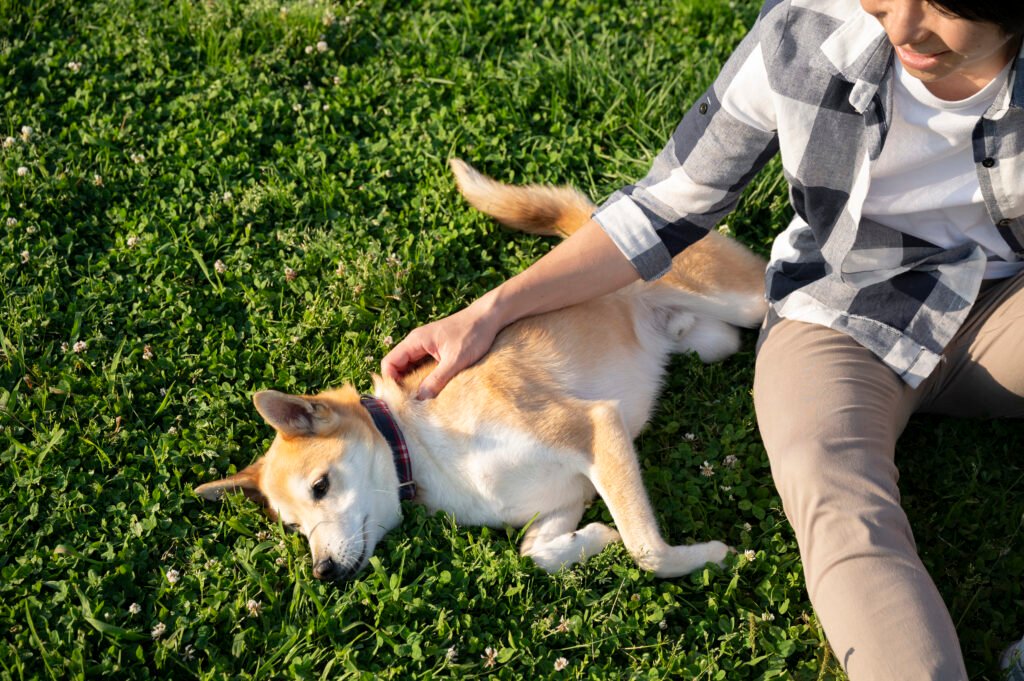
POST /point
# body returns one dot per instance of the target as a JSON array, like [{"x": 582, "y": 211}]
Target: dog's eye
[{"x": 320, "y": 487}]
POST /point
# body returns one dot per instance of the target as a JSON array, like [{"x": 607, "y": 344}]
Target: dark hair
[{"x": 1009, "y": 16}]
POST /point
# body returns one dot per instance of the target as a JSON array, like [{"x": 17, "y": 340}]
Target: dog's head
[{"x": 329, "y": 474}]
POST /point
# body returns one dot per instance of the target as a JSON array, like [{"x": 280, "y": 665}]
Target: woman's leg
[
  {"x": 983, "y": 372},
  {"x": 830, "y": 414}
]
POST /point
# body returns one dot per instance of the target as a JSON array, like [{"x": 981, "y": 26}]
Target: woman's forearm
[{"x": 586, "y": 265}]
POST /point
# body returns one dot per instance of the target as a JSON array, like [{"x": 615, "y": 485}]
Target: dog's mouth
[{"x": 330, "y": 570}]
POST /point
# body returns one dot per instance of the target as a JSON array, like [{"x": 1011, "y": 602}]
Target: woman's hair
[{"x": 1007, "y": 15}]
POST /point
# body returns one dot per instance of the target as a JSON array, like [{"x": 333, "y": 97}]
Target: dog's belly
[{"x": 508, "y": 476}]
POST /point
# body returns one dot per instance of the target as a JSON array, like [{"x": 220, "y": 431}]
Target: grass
[{"x": 168, "y": 136}]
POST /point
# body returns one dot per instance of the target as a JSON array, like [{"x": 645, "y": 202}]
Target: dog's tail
[
  {"x": 535, "y": 209},
  {"x": 725, "y": 276}
]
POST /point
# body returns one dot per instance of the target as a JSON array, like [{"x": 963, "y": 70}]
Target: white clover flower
[
  {"x": 254, "y": 607},
  {"x": 158, "y": 630},
  {"x": 172, "y": 430},
  {"x": 97, "y": 179},
  {"x": 31, "y": 229},
  {"x": 280, "y": 560},
  {"x": 137, "y": 158},
  {"x": 163, "y": 392},
  {"x": 12, "y": 222},
  {"x": 561, "y": 663},
  {"x": 24, "y": 257},
  {"x": 663, "y": 625},
  {"x": 26, "y": 133},
  {"x": 368, "y": 359},
  {"x": 283, "y": 13},
  {"x": 563, "y": 625},
  {"x": 328, "y": 18},
  {"x": 321, "y": 46},
  {"x": 730, "y": 461},
  {"x": 388, "y": 341},
  {"x": 290, "y": 274},
  {"x": 131, "y": 241},
  {"x": 79, "y": 346},
  {"x": 227, "y": 197},
  {"x": 296, "y": 107},
  {"x": 707, "y": 470},
  {"x": 173, "y": 576},
  {"x": 750, "y": 554},
  {"x": 134, "y": 609},
  {"x": 490, "y": 656},
  {"x": 767, "y": 617},
  {"x": 689, "y": 437},
  {"x": 64, "y": 346},
  {"x": 74, "y": 66},
  {"x": 340, "y": 269},
  {"x": 8, "y": 142},
  {"x": 309, "y": 49},
  {"x": 219, "y": 267},
  {"x": 147, "y": 352},
  {"x": 327, "y": 107},
  {"x": 337, "y": 80},
  {"x": 726, "y": 488},
  {"x": 747, "y": 527},
  {"x": 451, "y": 654},
  {"x": 22, "y": 171}
]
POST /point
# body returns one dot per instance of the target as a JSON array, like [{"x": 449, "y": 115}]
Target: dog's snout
[{"x": 327, "y": 569}]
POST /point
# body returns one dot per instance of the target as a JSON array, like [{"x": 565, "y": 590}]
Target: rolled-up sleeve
[{"x": 722, "y": 142}]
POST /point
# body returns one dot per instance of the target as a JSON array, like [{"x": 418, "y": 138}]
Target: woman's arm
[{"x": 584, "y": 266}]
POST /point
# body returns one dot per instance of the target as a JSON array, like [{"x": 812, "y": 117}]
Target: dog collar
[{"x": 385, "y": 423}]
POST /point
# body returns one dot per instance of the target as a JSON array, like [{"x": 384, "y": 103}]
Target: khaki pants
[{"x": 830, "y": 414}]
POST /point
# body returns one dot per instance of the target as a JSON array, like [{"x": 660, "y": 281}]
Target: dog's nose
[{"x": 326, "y": 569}]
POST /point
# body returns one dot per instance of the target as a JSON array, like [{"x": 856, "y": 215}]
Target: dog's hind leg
[
  {"x": 554, "y": 542},
  {"x": 616, "y": 476}
]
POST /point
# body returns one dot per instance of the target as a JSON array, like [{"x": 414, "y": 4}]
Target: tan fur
[{"x": 529, "y": 434}]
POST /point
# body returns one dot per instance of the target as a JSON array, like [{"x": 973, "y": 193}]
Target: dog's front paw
[{"x": 554, "y": 553}]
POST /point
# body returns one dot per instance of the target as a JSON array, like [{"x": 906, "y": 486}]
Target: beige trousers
[{"x": 830, "y": 414}]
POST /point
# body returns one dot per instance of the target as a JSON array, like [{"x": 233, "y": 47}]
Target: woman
[{"x": 897, "y": 288}]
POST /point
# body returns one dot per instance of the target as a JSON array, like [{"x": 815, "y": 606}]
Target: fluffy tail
[
  {"x": 724, "y": 274},
  {"x": 536, "y": 209}
]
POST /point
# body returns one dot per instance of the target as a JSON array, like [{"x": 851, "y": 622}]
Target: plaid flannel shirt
[{"x": 813, "y": 81}]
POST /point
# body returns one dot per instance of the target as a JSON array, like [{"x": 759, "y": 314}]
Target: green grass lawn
[{"x": 201, "y": 199}]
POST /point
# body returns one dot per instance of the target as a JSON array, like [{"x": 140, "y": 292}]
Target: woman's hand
[
  {"x": 584, "y": 266},
  {"x": 456, "y": 342}
]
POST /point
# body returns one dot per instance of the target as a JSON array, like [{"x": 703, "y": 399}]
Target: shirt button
[
  {"x": 988, "y": 162},
  {"x": 703, "y": 108}
]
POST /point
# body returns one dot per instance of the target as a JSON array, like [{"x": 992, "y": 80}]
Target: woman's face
[{"x": 952, "y": 56}]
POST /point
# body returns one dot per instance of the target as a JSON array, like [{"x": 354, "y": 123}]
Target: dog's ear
[
  {"x": 246, "y": 481},
  {"x": 292, "y": 415}
]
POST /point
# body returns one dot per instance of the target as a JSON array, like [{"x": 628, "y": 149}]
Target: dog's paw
[
  {"x": 676, "y": 561},
  {"x": 553, "y": 553}
]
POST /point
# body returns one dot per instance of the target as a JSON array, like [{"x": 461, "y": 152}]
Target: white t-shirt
[{"x": 924, "y": 183}]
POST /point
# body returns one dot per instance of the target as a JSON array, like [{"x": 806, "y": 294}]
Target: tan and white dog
[{"x": 529, "y": 434}]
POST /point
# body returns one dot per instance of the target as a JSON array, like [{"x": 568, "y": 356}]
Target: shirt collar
[{"x": 860, "y": 53}]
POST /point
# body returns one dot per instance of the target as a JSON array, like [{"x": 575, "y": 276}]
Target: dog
[{"x": 527, "y": 436}]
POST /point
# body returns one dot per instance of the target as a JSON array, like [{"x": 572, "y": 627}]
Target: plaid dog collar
[{"x": 385, "y": 423}]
